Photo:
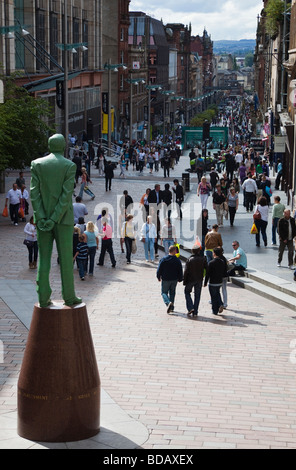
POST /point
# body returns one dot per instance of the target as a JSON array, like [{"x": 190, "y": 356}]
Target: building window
[
  {"x": 75, "y": 40},
  {"x": 40, "y": 38},
  {"x": 53, "y": 32},
  {"x": 85, "y": 39}
]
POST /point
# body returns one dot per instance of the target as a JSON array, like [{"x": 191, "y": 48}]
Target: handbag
[
  {"x": 28, "y": 242},
  {"x": 134, "y": 247},
  {"x": 257, "y": 215}
]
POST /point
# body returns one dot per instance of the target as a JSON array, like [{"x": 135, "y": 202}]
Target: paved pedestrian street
[{"x": 168, "y": 381}]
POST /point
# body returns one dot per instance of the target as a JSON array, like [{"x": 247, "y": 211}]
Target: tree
[
  {"x": 23, "y": 128},
  {"x": 249, "y": 59},
  {"x": 274, "y": 16}
]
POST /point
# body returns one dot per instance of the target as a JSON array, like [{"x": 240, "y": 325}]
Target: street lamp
[
  {"x": 174, "y": 99},
  {"x": 165, "y": 93},
  {"x": 150, "y": 88},
  {"x": 111, "y": 67},
  {"x": 132, "y": 81}
]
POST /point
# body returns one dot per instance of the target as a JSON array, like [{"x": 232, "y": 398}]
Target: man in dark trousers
[
  {"x": 195, "y": 269},
  {"x": 169, "y": 273},
  {"x": 287, "y": 232},
  {"x": 178, "y": 190},
  {"x": 217, "y": 270},
  {"x": 109, "y": 175}
]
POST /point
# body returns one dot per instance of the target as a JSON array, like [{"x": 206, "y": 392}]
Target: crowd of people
[{"x": 237, "y": 169}]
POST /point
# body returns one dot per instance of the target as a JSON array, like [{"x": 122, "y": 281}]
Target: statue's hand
[{"x": 45, "y": 225}]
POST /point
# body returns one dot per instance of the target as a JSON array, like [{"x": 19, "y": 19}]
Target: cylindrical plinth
[{"x": 59, "y": 383}]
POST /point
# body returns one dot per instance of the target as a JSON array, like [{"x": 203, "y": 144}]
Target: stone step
[
  {"x": 275, "y": 282},
  {"x": 272, "y": 293}
]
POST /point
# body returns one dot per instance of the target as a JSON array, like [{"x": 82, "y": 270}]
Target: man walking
[
  {"x": 14, "y": 197},
  {"x": 287, "y": 232},
  {"x": 179, "y": 194},
  {"x": 277, "y": 213},
  {"x": 250, "y": 188},
  {"x": 195, "y": 269},
  {"x": 216, "y": 272},
  {"x": 169, "y": 273}
]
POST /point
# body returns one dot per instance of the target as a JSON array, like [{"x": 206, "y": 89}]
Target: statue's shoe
[{"x": 75, "y": 301}]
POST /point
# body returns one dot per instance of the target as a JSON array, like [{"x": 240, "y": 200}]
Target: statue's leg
[
  {"x": 64, "y": 240},
  {"x": 45, "y": 243}
]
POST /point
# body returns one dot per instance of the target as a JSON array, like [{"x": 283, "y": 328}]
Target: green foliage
[
  {"x": 274, "y": 16},
  {"x": 208, "y": 115},
  {"x": 23, "y": 129},
  {"x": 249, "y": 59}
]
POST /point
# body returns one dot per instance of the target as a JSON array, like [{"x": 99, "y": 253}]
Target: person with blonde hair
[
  {"x": 92, "y": 241},
  {"x": 128, "y": 235}
]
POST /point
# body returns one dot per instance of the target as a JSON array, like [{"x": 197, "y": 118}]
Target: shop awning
[{"x": 48, "y": 82}]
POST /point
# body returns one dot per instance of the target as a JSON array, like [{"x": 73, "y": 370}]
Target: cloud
[{"x": 223, "y": 19}]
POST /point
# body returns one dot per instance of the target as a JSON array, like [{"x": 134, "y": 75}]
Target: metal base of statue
[{"x": 59, "y": 383}]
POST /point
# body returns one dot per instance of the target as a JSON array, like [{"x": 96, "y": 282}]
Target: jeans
[
  {"x": 224, "y": 291},
  {"x": 128, "y": 246},
  {"x": 282, "y": 247},
  {"x": 33, "y": 250},
  {"x": 168, "y": 291},
  {"x": 232, "y": 212},
  {"x": 209, "y": 255},
  {"x": 274, "y": 229},
  {"x": 149, "y": 247},
  {"x": 82, "y": 266},
  {"x": 215, "y": 297},
  {"x": 204, "y": 199},
  {"x": 197, "y": 291},
  {"x": 87, "y": 191},
  {"x": 261, "y": 227},
  {"x": 167, "y": 242},
  {"x": 249, "y": 200},
  {"x": 13, "y": 212},
  {"x": 107, "y": 245},
  {"x": 91, "y": 254}
]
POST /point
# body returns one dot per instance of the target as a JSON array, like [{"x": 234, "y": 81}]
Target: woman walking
[
  {"x": 262, "y": 221},
  {"x": 218, "y": 204},
  {"x": 84, "y": 188},
  {"x": 128, "y": 235},
  {"x": 148, "y": 237},
  {"x": 232, "y": 201},
  {"x": 168, "y": 235},
  {"x": 92, "y": 241},
  {"x": 203, "y": 191},
  {"x": 31, "y": 243}
]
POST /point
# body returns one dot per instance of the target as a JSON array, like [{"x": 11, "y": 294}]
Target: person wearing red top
[{"x": 107, "y": 244}]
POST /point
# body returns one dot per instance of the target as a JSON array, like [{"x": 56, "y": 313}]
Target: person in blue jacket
[{"x": 169, "y": 273}]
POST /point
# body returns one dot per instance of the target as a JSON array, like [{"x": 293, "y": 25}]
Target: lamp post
[
  {"x": 174, "y": 99},
  {"x": 165, "y": 93},
  {"x": 65, "y": 48},
  {"x": 111, "y": 67},
  {"x": 132, "y": 81},
  {"x": 150, "y": 88}
]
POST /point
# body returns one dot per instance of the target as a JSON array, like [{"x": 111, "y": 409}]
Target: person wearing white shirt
[
  {"x": 14, "y": 197},
  {"x": 31, "y": 242},
  {"x": 250, "y": 188},
  {"x": 261, "y": 223}
]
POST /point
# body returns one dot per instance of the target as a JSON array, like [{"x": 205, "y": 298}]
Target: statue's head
[{"x": 57, "y": 143}]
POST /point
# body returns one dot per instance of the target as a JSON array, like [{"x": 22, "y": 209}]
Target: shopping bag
[
  {"x": 178, "y": 250},
  {"x": 21, "y": 213},
  {"x": 5, "y": 212},
  {"x": 254, "y": 230}
]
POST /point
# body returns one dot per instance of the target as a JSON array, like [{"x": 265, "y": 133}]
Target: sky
[{"x": 223, "y": 19}]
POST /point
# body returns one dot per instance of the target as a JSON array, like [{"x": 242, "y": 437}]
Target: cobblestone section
[{"x": 210, "y": 382}]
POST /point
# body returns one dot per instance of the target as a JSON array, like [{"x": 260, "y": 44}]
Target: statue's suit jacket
[{"x": 52, "y": 185}]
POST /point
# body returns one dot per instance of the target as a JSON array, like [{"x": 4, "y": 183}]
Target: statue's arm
[
  {"x": 65, "y": 199},
  {"x": 35, "y": 194}
]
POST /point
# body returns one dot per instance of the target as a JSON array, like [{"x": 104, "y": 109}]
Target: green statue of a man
[{"x": 52, "y": 184}]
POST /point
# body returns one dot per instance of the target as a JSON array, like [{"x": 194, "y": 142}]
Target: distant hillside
[{"x": 237, "y": 48}]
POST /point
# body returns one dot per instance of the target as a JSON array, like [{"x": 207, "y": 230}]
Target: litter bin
[{"x": 186, "y": 181}]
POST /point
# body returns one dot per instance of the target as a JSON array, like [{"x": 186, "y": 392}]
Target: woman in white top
[
  {"x": 31, "y": 243},
  {"x": 148, "y": 237},
  {"x": 261, "y": 223},
  {"x": 128, "y": 234}
]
